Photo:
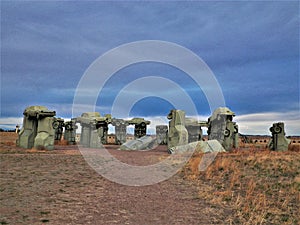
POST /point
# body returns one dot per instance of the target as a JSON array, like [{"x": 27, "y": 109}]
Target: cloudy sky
[{"x": 252, "y": 48}]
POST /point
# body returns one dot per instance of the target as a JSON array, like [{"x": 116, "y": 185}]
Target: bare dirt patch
[{"x": 58, "y": 187}]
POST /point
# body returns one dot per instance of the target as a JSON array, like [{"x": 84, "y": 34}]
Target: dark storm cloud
[{"x": 252, "y": 48}]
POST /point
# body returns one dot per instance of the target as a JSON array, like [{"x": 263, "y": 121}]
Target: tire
[
  {"x": 68, "y": 127},
  {"x": 55, "y": 124},
  {"x": 277, "y": 130},
  {"x": 226, "y": 133},
  {"x": 236, "y": 130}
]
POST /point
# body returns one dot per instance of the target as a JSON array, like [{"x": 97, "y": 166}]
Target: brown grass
[
  {"x": 294, "y": 147},
  {"x": 61, "y": 142},
  {"x": 261, "y": 187}
]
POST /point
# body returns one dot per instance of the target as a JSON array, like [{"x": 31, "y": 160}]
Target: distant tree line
[{"x": 5, "y": 130}]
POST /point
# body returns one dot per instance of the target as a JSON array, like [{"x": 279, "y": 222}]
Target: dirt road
[{"x": 59, "y": 187}]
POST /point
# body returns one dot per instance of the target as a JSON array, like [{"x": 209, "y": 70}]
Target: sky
[{"x": 251, "y": 47}]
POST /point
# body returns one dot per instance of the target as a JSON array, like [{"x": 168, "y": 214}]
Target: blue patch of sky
[{"x": 252, "y": 47}]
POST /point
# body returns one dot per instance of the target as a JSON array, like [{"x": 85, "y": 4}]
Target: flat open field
[{"x": 58, "y": 187}]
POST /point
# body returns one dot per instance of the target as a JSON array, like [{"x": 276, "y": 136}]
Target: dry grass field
[
  {"x": 247, "y": 186},
  {"x": 261, "y": 187}
]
